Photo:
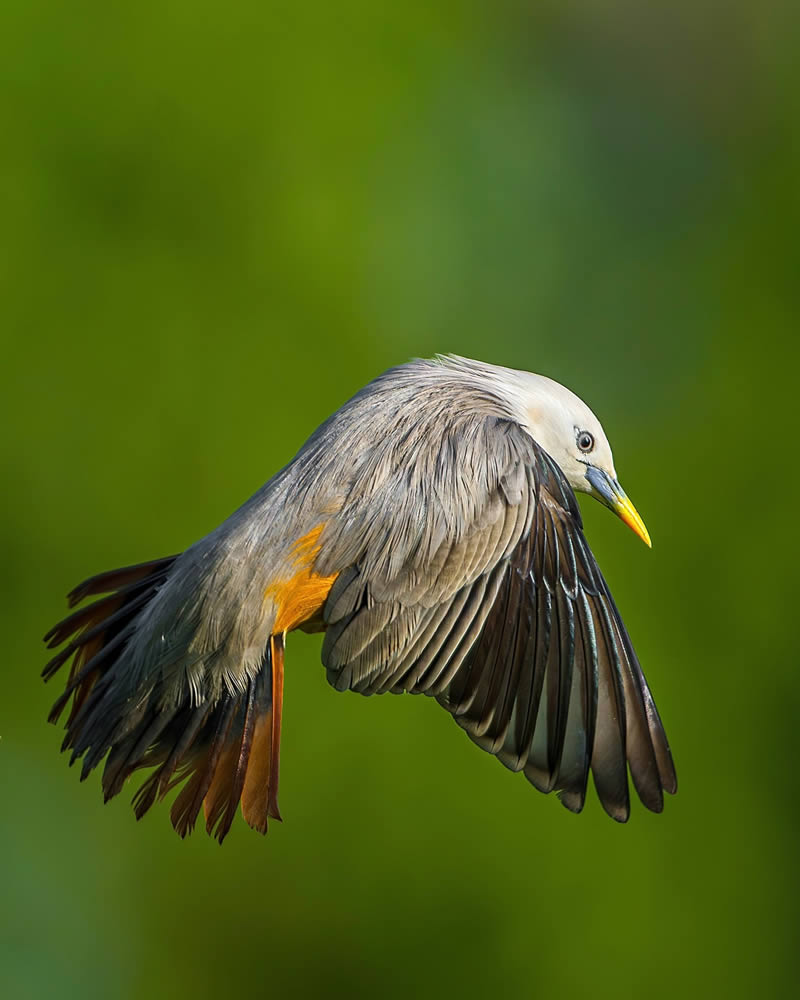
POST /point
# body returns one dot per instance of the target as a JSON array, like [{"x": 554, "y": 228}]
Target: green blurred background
[{"x": 218, "y": 222}]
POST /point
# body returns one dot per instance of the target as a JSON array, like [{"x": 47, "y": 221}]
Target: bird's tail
[{"x": 223, "y": 749}]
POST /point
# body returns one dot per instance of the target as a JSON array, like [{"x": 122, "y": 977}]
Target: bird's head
[{"x": 572, "y": 435}]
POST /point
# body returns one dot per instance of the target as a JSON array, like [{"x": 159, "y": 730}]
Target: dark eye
[{"x": 585, "y": 441}]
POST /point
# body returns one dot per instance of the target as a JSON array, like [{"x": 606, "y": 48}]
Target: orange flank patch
[{"x": 300, "y": 598}]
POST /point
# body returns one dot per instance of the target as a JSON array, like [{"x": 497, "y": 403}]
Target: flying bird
[{"x": 430, "y": 529}]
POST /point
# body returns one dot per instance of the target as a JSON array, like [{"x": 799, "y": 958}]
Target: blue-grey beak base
[{"x": 607, "y": 489}]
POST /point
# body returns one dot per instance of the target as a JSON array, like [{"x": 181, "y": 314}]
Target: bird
[{"x": 430, "y": 530}]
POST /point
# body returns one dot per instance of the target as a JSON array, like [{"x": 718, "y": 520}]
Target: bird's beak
[{"x": 610, "y": 493}]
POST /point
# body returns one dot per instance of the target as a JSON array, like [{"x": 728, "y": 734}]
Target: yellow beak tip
[{"x": 628, "y": 513}]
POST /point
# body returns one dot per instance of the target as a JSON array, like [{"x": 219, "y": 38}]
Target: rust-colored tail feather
[
  {"x": 276, "y": 645},
  {"x": 203, "y": 765},
  {"x": 119, "y": 579},
  {"x": 188, "y": 724},
  {"x": 257, "y": 805},
  {"x": 223, "y": 751},
  {"x": 222, "y": 799}
]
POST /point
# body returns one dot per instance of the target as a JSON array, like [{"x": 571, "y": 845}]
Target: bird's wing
[{"x": 510, "y": 625}]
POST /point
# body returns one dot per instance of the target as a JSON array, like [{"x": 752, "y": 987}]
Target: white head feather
[
  {"x": 555, "y": 418},
  {"x": 566, "y": 428}
]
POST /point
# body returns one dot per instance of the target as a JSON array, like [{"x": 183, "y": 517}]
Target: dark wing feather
[{"x": 515, "y": 632}]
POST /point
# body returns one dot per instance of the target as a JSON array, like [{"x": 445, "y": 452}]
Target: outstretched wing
[{"x": 510, "y": 625}]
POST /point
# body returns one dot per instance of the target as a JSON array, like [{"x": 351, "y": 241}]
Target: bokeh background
[{"x": 218, "y": 221}]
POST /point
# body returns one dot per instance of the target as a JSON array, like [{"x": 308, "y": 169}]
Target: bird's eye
[{"x": 585, "y": 441}]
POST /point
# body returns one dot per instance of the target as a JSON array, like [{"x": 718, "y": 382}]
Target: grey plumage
[{"x": 460, "y": 570}]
